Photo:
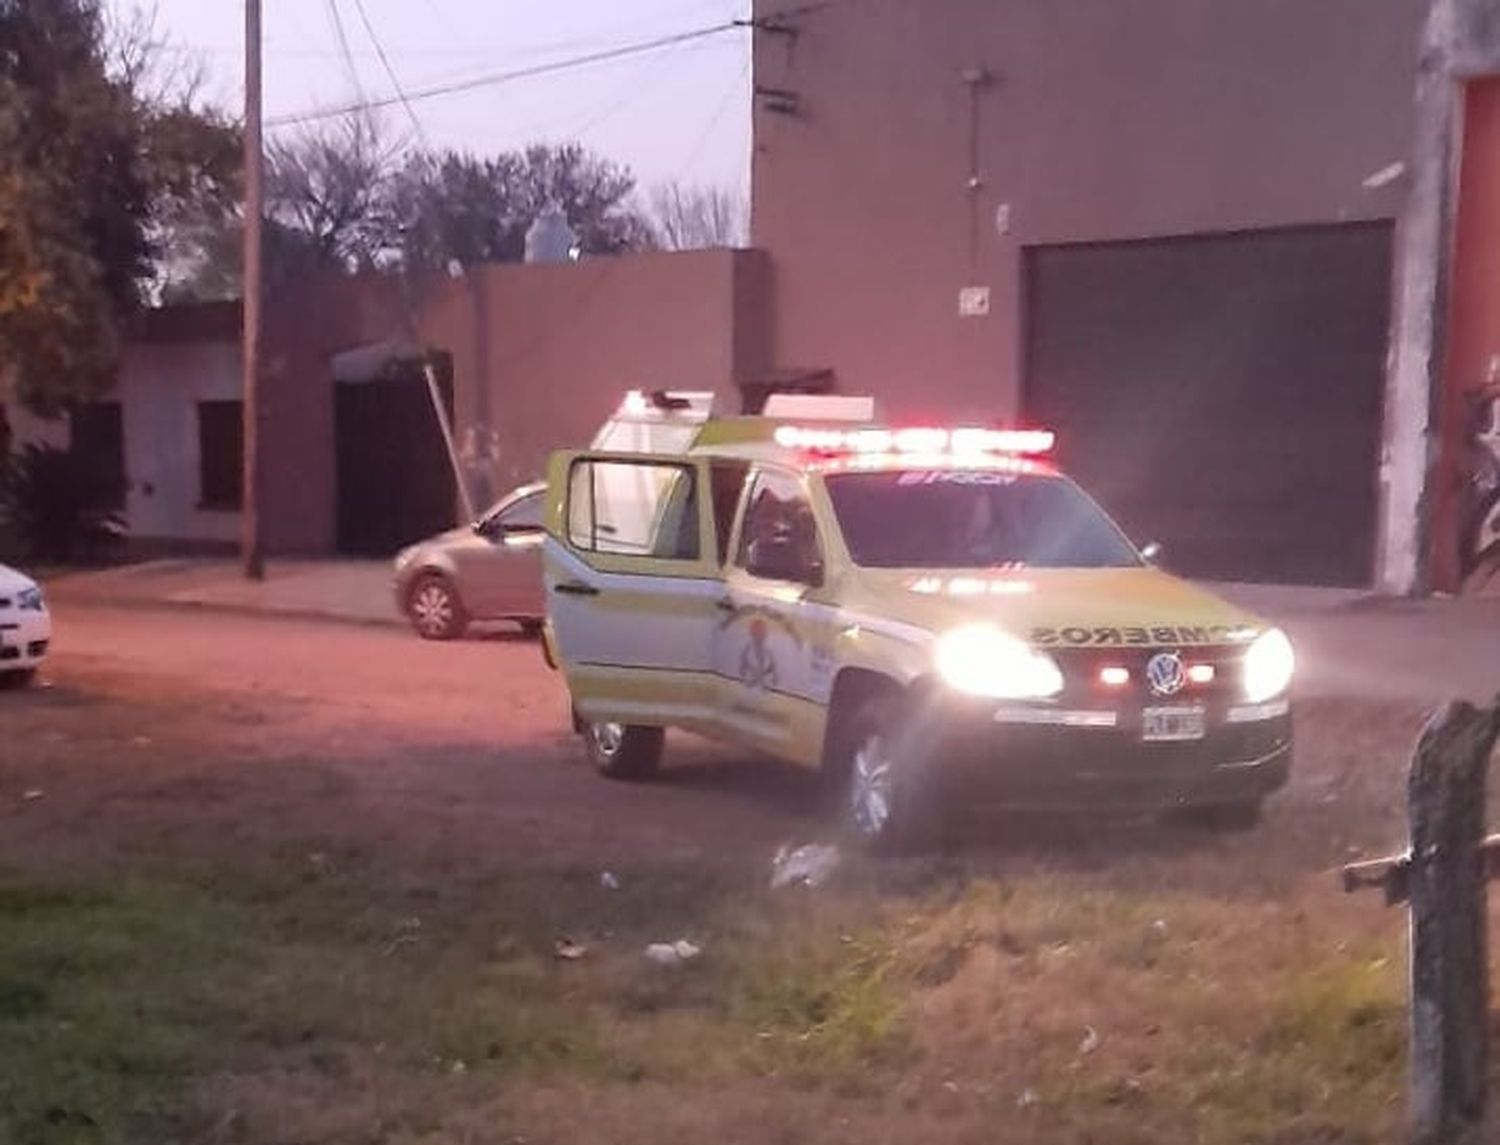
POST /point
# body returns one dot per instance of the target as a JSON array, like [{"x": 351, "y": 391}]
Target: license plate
[{"x": 1167, "y": 725}]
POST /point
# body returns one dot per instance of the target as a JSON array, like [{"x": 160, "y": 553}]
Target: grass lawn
[{"x": 310, "y": 1002}]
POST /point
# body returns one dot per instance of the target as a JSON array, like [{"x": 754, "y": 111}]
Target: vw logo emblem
[{"x": 1165, "y": 674}]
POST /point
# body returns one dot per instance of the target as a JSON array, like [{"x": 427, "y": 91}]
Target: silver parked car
[{"x": 488, "y": 571}]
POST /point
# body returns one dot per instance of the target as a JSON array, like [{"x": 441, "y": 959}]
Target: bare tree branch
[{"x": 693, "y": 218}]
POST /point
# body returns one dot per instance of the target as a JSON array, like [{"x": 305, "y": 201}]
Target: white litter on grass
[
  {"x": 608, "y": 881},
  {"x": 808, "y": 866},
  {"x": 1091, "y": 1041},
  {"x": 673, "y": 953},
  {"x": 568, "y": 950},
  {"x": 1027, "y": 1099},
  {"x": 33, "y": 795}
]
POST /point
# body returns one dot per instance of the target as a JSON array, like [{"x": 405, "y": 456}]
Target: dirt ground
[{"x": 344, "y": 797}]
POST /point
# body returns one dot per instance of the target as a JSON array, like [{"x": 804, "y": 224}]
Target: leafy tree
[
  {"x": 50, "y": 498},
  {"x": 342, "y": 200},
  {"x": 91, "y": 167}
]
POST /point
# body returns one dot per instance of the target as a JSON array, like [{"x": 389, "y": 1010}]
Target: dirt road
[
  {"x": 271, "y": 880},
  {"x": 235, "y": 731},
  {"x": 228, "y": 731}
]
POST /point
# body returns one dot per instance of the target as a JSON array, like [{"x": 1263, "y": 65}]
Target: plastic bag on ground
[{"x": 808, "y": 866}]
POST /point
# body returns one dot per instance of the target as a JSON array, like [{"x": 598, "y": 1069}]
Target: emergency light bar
[{"x": 930, "y": 442}]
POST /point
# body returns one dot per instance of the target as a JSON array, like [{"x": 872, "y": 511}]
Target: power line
[
  {"x": 719, "y": 112},
  {"x": 343, "y": 39},
  {"x": 498, "y": 78},
  {"x": 364, "y": 17}
]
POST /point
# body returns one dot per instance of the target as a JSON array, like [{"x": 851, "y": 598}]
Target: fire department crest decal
[
  {"x": 1165, "y": 674},
  {"x": 757, "y": 665}
]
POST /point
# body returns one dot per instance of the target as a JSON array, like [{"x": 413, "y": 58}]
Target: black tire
[
  {"x": 21, "y": 678},
  {"x": 435, "y": 609},
  {"x": 876, "y": 770},
  {"x": 624, "y": 751},
  {"x": 532, "y": 629}
]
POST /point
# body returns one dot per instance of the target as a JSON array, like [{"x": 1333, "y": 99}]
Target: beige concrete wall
[
  {"x": 541, "y": 355},
  {"x": 159, "y": 391}
]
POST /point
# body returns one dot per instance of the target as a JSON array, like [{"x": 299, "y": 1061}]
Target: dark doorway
[
  {"x": 395, "y": 482},
  {"x": 97, "y": 434},
  {"x": 1223, "y": 394}
]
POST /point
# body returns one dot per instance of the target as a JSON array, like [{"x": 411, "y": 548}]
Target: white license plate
[{"x": 1166, "y": 725}]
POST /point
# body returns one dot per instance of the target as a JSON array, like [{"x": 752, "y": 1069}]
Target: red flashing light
[{"x": 927, "y": 442}]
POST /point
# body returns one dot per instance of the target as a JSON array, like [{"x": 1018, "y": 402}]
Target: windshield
[{"x": 959, "y": 518}]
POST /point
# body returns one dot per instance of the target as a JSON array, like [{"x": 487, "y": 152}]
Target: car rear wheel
[
  {"x": 18, "y": 679},
  {"x": 435, "y": 610},
  {"x": 624, "y": 751},
  {"x": 886, "y": 797}
]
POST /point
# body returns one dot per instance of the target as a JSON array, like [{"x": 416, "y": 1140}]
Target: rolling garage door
[{"x": 1222, "y": 395}]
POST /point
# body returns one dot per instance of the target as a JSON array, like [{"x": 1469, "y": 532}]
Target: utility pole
[{"x": 250, "y": 537}]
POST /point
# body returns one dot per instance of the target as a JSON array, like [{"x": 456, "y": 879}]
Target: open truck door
[{"x": 634, "y": 588}]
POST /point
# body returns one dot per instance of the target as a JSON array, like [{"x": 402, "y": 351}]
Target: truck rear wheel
[{"x": 624, "y": 751}]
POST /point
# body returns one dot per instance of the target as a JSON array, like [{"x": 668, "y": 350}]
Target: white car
[{"x": 25, "y": 627}]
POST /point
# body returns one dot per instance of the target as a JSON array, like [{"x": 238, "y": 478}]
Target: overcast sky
[{"x": 682, "y": 112}]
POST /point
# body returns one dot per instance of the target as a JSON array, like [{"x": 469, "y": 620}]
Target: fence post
[{"x": 1446, "y": 879}]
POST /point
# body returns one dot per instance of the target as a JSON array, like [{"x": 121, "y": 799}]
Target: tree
[
  {"x": 457, "y": 207},
  {"x": 328, "y": 194},
  {"x": 89, "y": 169},
  {"x": 694, "y": 218}
]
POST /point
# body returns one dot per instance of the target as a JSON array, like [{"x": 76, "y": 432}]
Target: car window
[
  {"x": 952, "y": 518},
  {"x": 527, "y": 513},
  {"x": 728, "y": 481},
  {"x": 643, "y": 509},
  {"x": 778, "y": 519}
]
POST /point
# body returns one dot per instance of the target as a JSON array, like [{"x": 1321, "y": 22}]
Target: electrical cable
[{"x": 499, "y": 78}]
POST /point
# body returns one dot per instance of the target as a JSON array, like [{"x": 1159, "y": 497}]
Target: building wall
[
  {"x": 159, "y": 391},
  {"x": 305, "y": 324},
  {"x": 541, "y": 355},
  {"x": 1102, "y": 120},
  {"x": 159, "y": 386}
]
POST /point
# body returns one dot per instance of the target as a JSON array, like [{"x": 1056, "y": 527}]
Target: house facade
[{"x": 527, "y": 359}]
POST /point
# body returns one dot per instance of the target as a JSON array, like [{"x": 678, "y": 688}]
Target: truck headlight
[
  {"x": 30, "y": 600},
  {"x": 1269, "y": 664},
  {"x": 980, "y": 660}
]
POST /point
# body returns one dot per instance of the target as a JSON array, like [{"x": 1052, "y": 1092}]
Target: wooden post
[
  {"x": 250, "y": 530},
  {"x": 1445, "y": 876}
]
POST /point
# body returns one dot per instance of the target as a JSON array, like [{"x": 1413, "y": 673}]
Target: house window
[{"x": 221, "y": 454}]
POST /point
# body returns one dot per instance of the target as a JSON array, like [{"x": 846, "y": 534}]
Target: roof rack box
[
  {"x": 819, "y": 407},
  {"x": 662, "y": 421}
]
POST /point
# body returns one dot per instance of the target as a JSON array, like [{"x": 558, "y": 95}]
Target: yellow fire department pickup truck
[{"x": 928, "y": 616}]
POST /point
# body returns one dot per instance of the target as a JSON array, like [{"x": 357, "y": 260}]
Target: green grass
[{"x": 135, "y": 1011}]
